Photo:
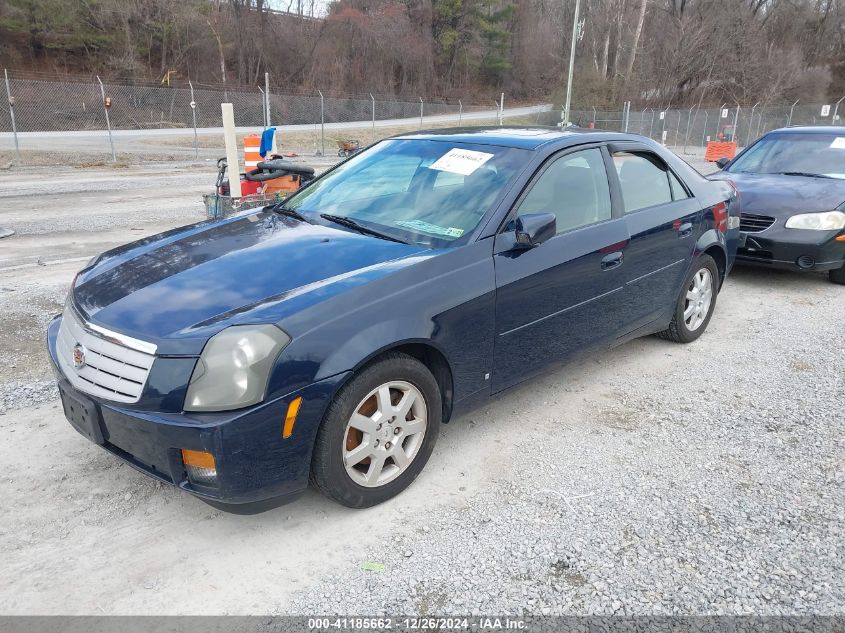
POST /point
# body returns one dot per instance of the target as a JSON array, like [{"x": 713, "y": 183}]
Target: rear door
[
  {"x": 664, "y": 222},
  {"x": 564, "y": 295}
]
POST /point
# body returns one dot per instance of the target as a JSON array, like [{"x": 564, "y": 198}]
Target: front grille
[
  {"x": 110, "y": 369},
  {"x": 751, "y": 223}
]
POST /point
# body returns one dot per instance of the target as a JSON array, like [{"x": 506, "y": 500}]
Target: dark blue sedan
[{"x": 329, "y": 338}]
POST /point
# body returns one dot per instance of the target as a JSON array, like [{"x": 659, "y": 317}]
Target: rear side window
[
  {"x": 679, "y": 192},
  {"x": 574, "y": 188},
  {"x": 645, "y": 181}
]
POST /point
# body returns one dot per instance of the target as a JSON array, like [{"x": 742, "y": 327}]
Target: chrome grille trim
[{"x": 113, "y": 369}]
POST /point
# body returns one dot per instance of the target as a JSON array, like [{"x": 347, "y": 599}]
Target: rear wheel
[
  {"x": 837, "y": 276},
  {"x": 696, "y": 303},
  {"x": 378, "y": 432}
]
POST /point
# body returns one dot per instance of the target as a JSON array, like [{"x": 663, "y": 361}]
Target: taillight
[{"x": 720, "y": 217}]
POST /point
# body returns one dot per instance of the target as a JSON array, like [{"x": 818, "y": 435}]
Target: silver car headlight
[
  {"x": 234, "y": 367},
  {"x": 827, "y": 221}
]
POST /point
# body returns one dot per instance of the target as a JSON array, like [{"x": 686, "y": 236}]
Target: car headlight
[
  {"x": 234, "y": 367},
  {"x": 828, "y": 221}
]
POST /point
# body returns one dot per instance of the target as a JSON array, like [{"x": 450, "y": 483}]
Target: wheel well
[
  {"x": 436, "y": 364},
  {"x": 718, "y": 256}
]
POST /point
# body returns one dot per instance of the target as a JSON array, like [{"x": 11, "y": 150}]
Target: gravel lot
[{"x": 650, "y": 479}]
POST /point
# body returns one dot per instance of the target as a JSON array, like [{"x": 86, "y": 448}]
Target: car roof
[
  {"x": 520, "y": 137},
  {"x": 811, "y": 129}
]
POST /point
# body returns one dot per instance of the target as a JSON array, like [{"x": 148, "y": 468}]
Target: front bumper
[
  {"x": 256, "y": 467},
  {"x": 792, "y": 249}
]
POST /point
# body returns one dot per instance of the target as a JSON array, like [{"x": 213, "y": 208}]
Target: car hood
[
  {"x": 782, "y": 196},
  {"x": 178, "y": 288}
]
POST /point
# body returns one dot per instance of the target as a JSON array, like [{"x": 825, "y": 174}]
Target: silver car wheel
[
  {"x": 698, "y": 299},
  {"x": 384, "y": 434}
]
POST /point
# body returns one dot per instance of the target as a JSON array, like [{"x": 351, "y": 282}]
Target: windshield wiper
[
  {"x": 804, "y": 173},
  {"x": 352, "y": 224},
  {"x": 281, "y": 209}
]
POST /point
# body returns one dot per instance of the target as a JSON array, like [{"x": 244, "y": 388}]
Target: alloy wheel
[
  {"x": 384, "y": 434},
  {"x": 698, "y": 299}
]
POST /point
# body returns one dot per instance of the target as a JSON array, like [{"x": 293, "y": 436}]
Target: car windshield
[
  {"x": 418, "y": 191},
  {"x": 796, "y": 153}
]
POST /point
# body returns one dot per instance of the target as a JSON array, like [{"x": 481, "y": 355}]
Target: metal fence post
[
  {"x": 421, "y": 112},
  {"x": 12, "y": 113},
  {"x": 594, "y": 117},
  {"x": 502, "y": 110},
  {"x": 678, "y": 128},
  {"x": 194, "y": 117},
  {"x": 263, "y": 107},
  {"x": 322, "y": 125},
  {"x": 736, "y": 122},
  {"x": 718, "y": 120},
  {"x": 373, "y": 99},
  {"x": 789, "y": 118},
  {"x": 108, "y": 122},
  {"x": 686, "y": 134},
  {"x": 832, "y": 120},
  {"x": 267, "y": 96},
  {"x": 461, "y": 111},
  {"x": 651, "y": 128},
  {"x": 751, "y": 123},
  {"x": 704, "y": 129}
]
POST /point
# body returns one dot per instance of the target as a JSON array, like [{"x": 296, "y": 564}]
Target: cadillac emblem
[{"x": 78, "y": 356}]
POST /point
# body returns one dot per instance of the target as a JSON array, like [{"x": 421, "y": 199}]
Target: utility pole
[{"x": 575, "y": 29}]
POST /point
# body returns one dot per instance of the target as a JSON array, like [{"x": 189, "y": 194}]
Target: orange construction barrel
[{"x": 252, "y": 145}]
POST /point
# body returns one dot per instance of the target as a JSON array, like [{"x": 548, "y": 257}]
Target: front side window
[
  {"x": 418, "y": 191},
  {"x": 794, "y": 153},
  {"x": 574, "y": 188}
]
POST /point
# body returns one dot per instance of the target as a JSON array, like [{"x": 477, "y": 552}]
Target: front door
[{"x": 564, "y": 295}]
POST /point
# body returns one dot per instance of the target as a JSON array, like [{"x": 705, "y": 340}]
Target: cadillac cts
[{"x": 330, "y": 337}]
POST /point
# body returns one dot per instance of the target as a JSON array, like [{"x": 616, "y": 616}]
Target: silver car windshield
[{"x": 419, "y": 191}]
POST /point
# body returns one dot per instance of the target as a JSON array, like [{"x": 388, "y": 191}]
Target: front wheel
[
  {"x": 837, "y": 275},
  {"x": 378, "y": 432},
  {"x": 696, "y": 303}
]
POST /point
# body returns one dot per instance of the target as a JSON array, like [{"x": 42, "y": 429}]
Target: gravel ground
[
  {"x": 650, "y": 479},
  {"x": 712, "y": 483}
]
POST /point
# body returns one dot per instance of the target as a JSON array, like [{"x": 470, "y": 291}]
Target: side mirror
[
  {"x": 533, "y": 229},
  {"x": 723, "y": 162}
]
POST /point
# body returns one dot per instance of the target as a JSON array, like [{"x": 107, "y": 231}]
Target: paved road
[{"x": 81, "y": 136}]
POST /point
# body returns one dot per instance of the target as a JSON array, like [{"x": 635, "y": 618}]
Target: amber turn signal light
[
  {"x": 290, "y": 418},
  {"x": 200, "y": 467},
  {"x": 198, "y": 459}
]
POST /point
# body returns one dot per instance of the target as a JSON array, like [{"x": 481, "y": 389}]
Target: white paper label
[
  {"x": 825, "y": 110},
  {"x": 461, "y": 161},
  {"x": 838, "y": 142},
  {"x": 725, "y": 113}
]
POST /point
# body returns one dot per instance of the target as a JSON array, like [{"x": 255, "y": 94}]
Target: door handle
[
  {"x": 611, "y": 261},
  {"x": 685, "y": 229}
]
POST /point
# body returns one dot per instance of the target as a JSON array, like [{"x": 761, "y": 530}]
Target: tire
[
  {"x": 837, "y": 275},
  {"x": 687, "y": 329},
  {"x": 381, "y": 471}
]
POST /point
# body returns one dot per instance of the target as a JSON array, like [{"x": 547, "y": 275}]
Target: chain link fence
[
  {"x": 48, "y": 105},
  {"x": 687, "y": 131},
  {"x": 44, "y": 105}
]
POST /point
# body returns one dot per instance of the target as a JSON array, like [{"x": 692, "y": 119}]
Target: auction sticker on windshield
[
  {"x": 461, "y": 161},
  {"x": 432, "y": 229},
  {"x": 838, "y": 142}
]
